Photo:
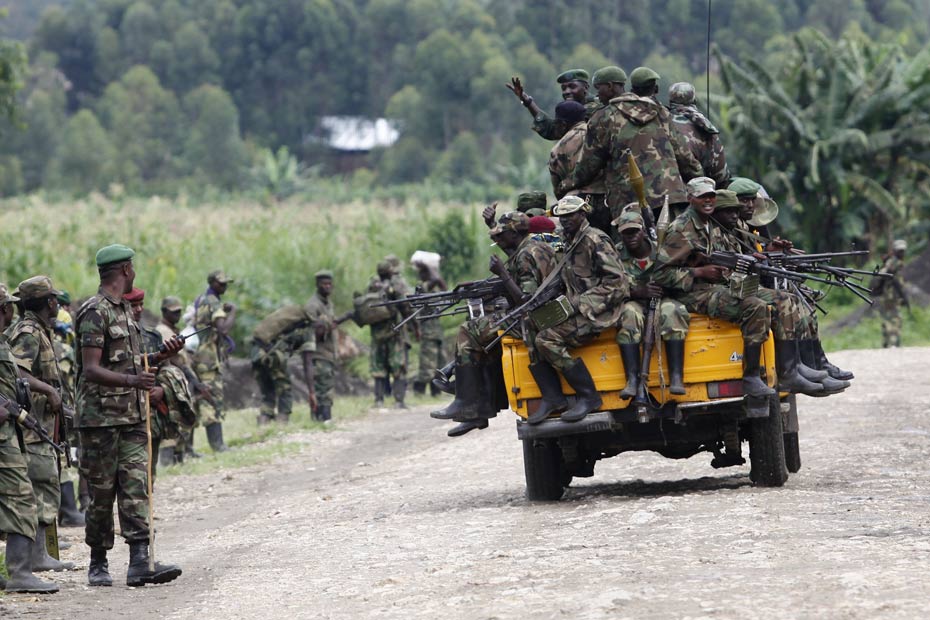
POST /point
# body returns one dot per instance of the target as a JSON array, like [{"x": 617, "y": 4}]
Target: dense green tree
[
  {"x": 85, "y": 160},
  {"x": 214, "y": 150}
]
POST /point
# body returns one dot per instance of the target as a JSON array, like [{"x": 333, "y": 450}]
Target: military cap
[
  {"x": 605, "y": 75},
  {"x": 5, "y": 296},
  {"x": 899, "y": 245},
  {"x": 116, "y": 253},
  {"x": 743, "y": 186},
  {"x": 541, "y": 224},
  {"x": 36, "y": 287},
  {"x": 323, "y": 274},
  {"x": 570, "y": 111},
  {"x": 531, "y": 200},
  {"x": 171, "y": 304},
  {"x": 513, "y": 220},
  {"x": 219, "y": 276},
  {"x": 641, "y": 75},
  {"x": 384, "y": 267},
  {"x": 573, "y": 75},
  {"x": 64, "y": 298},
  {"x": 726, "y": 199},
  {"x": 681, "y": 92},
  {"x": 569, "y": 205},
  {"x": 699, "y": 186},
  {"x": 135, "y": 295},
  {"x": 629, "y": 219}
]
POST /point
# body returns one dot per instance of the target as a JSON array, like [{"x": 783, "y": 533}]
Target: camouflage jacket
[
  {"x": 532, "y": 261},
  {"x": 891, "y": 290},
  {"x": 104, "y": 322},
  {"x": 595, "y": 281},
  {"x": 322, "y": 310},
  {"x": 8, "y": 375},
  {"x": 703, "y": 139},
  {"x": 213, "y": 347},
  {"x": 641, "y": 126},
  {"x": 31, "y": 342},
  {"x": 553, "y": 129},
  {"x": 430, "y": 329},
  {"x": 563, "y": 158},
  {"x": 640, "y": 270},
  {"x": 393, "y": 288},
  {"x": 685, "y": 240}
]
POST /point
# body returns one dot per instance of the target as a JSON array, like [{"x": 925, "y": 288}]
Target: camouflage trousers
[
  {"x": 715, "y": 300},
  {"x": 324, "y": 381},
  {"x": 210, "y": 412},
  {"x": 388, "y": 358},
  {"x": 274, "y": 382},
  {"x": 553, "y": 343},
  {"x": 432, "y": 357},
  {"x": 672, "y": 318},
  {"x": 476, "y": 334},
  {"x": 42, "y": 463},
  {"x": 786, "y": 321},
  {"x": 892, "y": 321},
  {"x": 17, "y": 503},
  {"x": 113, "y": 463}
]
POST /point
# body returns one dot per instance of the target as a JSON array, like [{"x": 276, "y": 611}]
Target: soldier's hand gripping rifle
[
  {"x": 443, "y": 303},
  {"x": 20, "y": 415}
]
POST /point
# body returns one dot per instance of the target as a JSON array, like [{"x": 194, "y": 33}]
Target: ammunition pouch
[
  {"x": 743, "y": 285},
  {"x": 552, "y": 313}
]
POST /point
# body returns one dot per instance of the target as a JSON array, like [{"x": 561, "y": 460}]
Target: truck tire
[
  {"x": 545, "y": 473},
  {"x": 792, "y": 453},
  {"x": 767, "y": 448}
]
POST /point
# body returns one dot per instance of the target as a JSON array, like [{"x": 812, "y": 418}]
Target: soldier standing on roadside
[
  {"x": 893, "y": 295},
  {"x": 210, "y": 360},
  {"x": 389, "y": 347},
  {"x": 322, "y": 379},
  {"x": 431, "y": 350}
]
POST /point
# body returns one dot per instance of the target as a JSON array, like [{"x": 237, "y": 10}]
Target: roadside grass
[{"x": 867, "y": 333}]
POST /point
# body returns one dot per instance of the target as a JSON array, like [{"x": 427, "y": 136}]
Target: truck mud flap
[
  {"x": 757, "y": 407},
  {"x": 596, "y": 422}
]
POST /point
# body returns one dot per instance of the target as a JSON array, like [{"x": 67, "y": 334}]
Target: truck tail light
[{"x": 725, "y": 389}]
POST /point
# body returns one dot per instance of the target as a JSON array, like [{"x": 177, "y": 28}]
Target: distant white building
[{"x": 349, "y": 139}]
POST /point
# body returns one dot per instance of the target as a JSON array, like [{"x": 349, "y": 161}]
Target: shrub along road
[{"x": 386, "y": 517}]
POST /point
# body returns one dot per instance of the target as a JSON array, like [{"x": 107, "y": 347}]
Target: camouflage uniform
[
  {"x": 31, "y": 343},
  {"x": 284, "y": 332},
  {"x": 640, "y": 125},
  {"x": 432, "y": 355},
  {"x": 700, "y": 135},
  {"x": 111, "y": 423},
  {"x": 550, "y": 128},
  {"x": 672, "y": 316},
  {"x": 890, "y": 302},
  {"x": 563, "y": 158},
  {"x": 324, "y": 354},
  {"x": 389, "y": 348},
  {"x": 182, "y": 361},
  {"x": 17, "y": 502},
  {"x": 211, "y": 356},
  {"x": 596, "y": 285}
]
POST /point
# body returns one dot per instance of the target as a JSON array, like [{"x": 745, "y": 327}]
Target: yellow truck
[{"x": 713, "y": 416}]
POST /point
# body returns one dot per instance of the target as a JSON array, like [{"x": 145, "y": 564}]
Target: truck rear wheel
[
  {"x": 767, "y": 448},
  {"x": 545, "y": 473},
  {"x": 792, "y": 453}
]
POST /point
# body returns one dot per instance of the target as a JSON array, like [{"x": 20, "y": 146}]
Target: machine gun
[
  {"x": 20, "y": 415},
  {"x": 443, "y": 303}
]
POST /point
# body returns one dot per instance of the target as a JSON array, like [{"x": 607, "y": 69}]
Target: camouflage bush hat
[
  {"x": 573, "y": 75},
  {"x": 64, "y": 298},
  {"x": 36, "y": 287},
  {"x": 135, "y": 295},
  {"x": 641, "y": 75},
  {"x": 5, "y": 296},
  {"x": 681, "y": 92},
  {"x": 219, "y": 276},
  {"x": 531, "y": 200},
  {"x": 629, "y": 219},
  {"x": 115, "y": 253},
  {"x": 699, "y": 186},
  {"x": 899, "y": 245},
  {"x": 323, "y": 274},
  {"x": 726, "y": 199},
  {"x": 569, "y": 205},
  {"x": 513, "y": 220},
  {"x": 744, "y": 187},
  {"x": 606, "y": 75},
  {"x": 171, "y": 304}
]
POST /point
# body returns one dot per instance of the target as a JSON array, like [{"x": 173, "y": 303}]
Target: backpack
[{"x": 365, "y": 314}]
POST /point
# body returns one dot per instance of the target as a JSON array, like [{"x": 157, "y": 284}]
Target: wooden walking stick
[{"x": 148, "y": 477}]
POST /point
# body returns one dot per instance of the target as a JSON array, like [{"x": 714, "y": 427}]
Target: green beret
[
  {"x": 116, "y": 253},
  {"x": 323, "y": 273},
  {"x": 572, "y": 75},
  {"x": 605, "y": 75},
  {"x": 64, "y": 298},
  {"x": 641, "y": 75},
  {"x": 743, "y": 186},
  {"x": 531, "y": 200},
  {"x": 726, "y": 199}
]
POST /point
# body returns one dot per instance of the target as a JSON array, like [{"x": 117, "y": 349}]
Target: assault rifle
[
  {"x": 434, "y": 305},
  {"x": 21, "y": 416}
]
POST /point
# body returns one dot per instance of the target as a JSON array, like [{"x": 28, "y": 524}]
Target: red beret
[
  {"x": 135, "y": 295},
  {"x": 541, "y": 223}
]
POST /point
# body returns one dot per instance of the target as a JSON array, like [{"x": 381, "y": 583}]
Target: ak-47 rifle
[
  {"x": 20, "y": 415},
  {"x": 434, "y": 305}
]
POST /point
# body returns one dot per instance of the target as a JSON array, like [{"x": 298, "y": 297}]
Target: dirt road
[{"x": 387, "y": 518}]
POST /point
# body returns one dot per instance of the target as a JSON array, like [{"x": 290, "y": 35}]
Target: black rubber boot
[
  {"x": 325, "y": 413},
  {"x": 400, "y": 391},
  {"x": 468, "y": 380},
  {"x": 41, "y": 560},
  {"x": 215, "y": 437},
  {"x": 787, "y": 359},
  {"x": 807, "y": 368},
  {"x": 553, "y": 400},
  {"x": 753, "y": 385},
  {"x": 379, "y": 391},
  {"x": 98, "y": 573},
  {"x": 166, "y": 457},
  {"x": 675, "y": 354},
  {"x": 434, "y": 390},
  {"x": 443, "y": 378},
  {"x": 189, "y": 451},
  {"x": 465, "y": 427},
  {"x": 824, "y": 364},
  {"x": 587, "y": 398},
  {"x": 19, "y": 567},
  {"x": 139, "y": 573},
  {"x": 68, "y": 513},
  {"x": 419, "y": 388},
  {"x": 629, "y": 353}
]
